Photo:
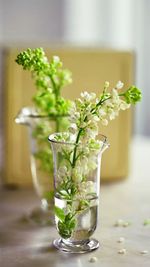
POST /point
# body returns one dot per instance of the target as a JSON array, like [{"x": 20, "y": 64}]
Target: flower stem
[
  {"x": 56, "y": 90},
  {"x": 93, "y": 110},
  {"x": 102, "y": 100},
  {"x": 75, "y": 149}
]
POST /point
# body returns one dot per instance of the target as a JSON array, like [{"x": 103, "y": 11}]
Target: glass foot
[
  {"x": 42, "y": 217},
  {"x": 76, "y": 247}
]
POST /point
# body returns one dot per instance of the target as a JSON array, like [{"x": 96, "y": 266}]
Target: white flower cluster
[
  {"x": 108, "y": 109},
  {"x": 86, "y": 162},
  {"x": 86, "y": 113},
  {"x": 81, "y": 116},
  {"x": 86, "y": 158},
  {"x": 111, "y": 107}
]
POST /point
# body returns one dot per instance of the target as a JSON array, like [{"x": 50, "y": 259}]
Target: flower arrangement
[
  {"x": 50, "y": 78},
  {"x": 78, "y": 160},
  {"x": 78, "y": 150}
]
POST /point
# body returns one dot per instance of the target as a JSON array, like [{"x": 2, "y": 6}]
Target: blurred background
[{"x": 122, "y": 25}]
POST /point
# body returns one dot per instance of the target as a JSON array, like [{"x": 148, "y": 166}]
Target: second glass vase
[{"x": 41, "y": 159}]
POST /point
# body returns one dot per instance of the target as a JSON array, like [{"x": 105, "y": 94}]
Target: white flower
[
  {"x": 144, "y": 252},
  {"x": 87, "y": 187},
  {"x": 83, "y": 124},
  {"x": 90, "y": 186},
  {"x": 106, "y": 84},
  {"x": 112, "y": 111},
  {"x": 115, "y": 96},
  {"x": 92, "y": 163},
  {"x": 88, "y": 96},
  {"x": 102, "y": 112},
  {"x": 85, "y": 95},
  {"x": 92, "y": 117},
  {"x": 84, "y": 159},
  {"x": 77, "y": 174},
  {"x": 74, "y": 117},
  {"x": 93, "y": 96},
  {"x": 97, "y": 100},
  {"x": 63, "y": 170},
  {"x": 93, "y": 259},
  {"x": 90, "y": 133},
  {"x": 122, "y": 251},
  {"x": 45, "y": 60},
  {"x": 92, "y": 129},
  {"x": 62, "y": 173},
  {"x": 78, "y": 102},
  {"x": 56, "y": 59},
  {"x": 104, "y": 122},
  {"x": 112, "y": 115},
  {"x": 73, "y": 128},
  {"x": 67, "y": 76},
  {"x": 119, "y": 85},
  {"x": 124, "y": 105}
]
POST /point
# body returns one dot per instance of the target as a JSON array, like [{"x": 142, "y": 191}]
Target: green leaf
[
  {"x": 59, "y": 213},
  {"x": 63, "y": 230},
  {"x": 67, "y": 226}
]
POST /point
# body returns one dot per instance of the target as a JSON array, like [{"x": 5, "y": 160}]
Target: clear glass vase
[
  {"x": 76, "y": 192},
  {"x": 39, "y": 128}
]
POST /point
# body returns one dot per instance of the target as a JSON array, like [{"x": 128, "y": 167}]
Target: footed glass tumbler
[{"x": 76, "y": 192}]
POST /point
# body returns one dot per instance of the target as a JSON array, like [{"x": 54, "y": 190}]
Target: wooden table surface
[{"x": 27, "y": 244}]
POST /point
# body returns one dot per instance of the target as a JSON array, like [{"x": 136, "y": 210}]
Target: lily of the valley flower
[
  {"x": 76, "y": 181},
  {"x": 86, "y": 114},
  {"x": 119, "y": 85}
]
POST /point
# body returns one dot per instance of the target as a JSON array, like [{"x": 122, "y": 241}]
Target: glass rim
[
  {"x": 50, "y": 139},
  {"x": 46, "y": 116},
  {"x": 31, "y": 112}
]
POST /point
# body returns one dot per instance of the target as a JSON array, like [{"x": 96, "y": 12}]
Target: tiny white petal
[
  {"x": 112, "y": 115},
  {"x": 104, "y": 122},
  {"x": 144, "y": 252},
  {"x": 102, "y": 112},
  {"x": 122, "y": 251},
  {"x": 93, "y": 259},
  {"x": 119, "y": 85},
  {"x": 115, "y": 96},
  {"x": 73, "y": 128},
  {"x": 119, "y": 222},
  {"x": 97, "y": 100},
  {"x": 88, "y": 96},
  {"x": 124, "y": 105},
  {"x": 83, "y": 94},
  {"x": 56, "y": 59},
  {"x": 125, "y": 224},
  {"x": 106, "y": 84},
  {"x": 93, "y": 95}
]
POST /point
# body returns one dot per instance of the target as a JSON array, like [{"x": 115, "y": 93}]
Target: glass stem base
[
  {"x": 76, "y": 247},
  {"x": 44, "y": 214}
]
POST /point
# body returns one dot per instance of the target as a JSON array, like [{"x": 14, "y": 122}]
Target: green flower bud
[{"x": 132, "y": 95}]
